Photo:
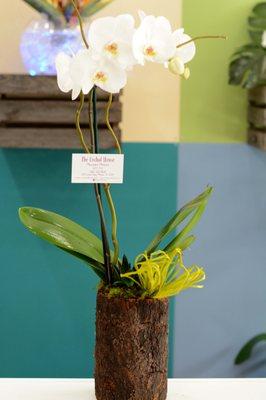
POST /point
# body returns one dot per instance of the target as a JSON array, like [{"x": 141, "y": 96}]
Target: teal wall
[{"x": 47, "y": 299}]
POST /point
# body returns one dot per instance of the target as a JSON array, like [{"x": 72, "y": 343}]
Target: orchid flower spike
[
  {"x": 81, "y": 72},
  {"x": 111, "y": 37}
]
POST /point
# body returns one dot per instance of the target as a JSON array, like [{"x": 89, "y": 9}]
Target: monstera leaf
[
  {"x": 65, "y": 234},
  {"x": 191, "y": 211},
  {"x": 247, "y": 66}
]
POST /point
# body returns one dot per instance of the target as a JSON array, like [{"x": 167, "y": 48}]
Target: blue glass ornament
[{"x": 42, "y": 41}]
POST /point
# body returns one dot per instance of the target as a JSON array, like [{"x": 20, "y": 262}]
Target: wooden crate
[
  {"x": 35, "y": 114},
  {"x": 257, "y": 117}
]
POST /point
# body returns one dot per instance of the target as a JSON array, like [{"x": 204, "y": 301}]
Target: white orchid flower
[
  {"x": 81, "y": 72},
  {"x": 111, "y": 37},
  {"x": 108, "y": 76},
  {"x": 154, "y": 40},
  {"x": 74, "y": 73}
]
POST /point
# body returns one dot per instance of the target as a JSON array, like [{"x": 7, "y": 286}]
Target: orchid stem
[
  {"x": 97, "y": 188},
  {"x": 80, "y": 24},
  {"x": 114, "y": 223},
  {"x": 201, "y": 37},
  {"x": 109, "y": 125},
  {"x": 79, "y": 131},
  {"x": 107, "y": 187}
]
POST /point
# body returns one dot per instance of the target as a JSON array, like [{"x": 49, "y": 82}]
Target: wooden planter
[
  {"x": 131, "y": 348},
  {"x": 257, "y": 117},
  {"x": 34, "y": 113}
]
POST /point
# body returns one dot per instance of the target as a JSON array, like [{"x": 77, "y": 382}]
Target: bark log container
[
  {"x": 257, "y": 117},
  {"x": 131, "y": 348}
]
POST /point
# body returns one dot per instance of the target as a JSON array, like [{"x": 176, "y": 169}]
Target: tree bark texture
[{"x": 131, "y": 348}]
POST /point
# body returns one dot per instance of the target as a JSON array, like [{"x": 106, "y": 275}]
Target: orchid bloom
[
  {"x": 81, "y": 72},
  {"x": 154, "y": 40},
  {"x": 115, "y": 46},
  {"x": 111, "y": 37},
  {"x": 73, "y": 73}
]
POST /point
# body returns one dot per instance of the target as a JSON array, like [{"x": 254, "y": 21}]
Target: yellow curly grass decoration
[{"x": 164, "y": 274}]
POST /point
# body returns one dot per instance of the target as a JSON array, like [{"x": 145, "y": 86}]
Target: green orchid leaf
[
  {"x": 97, "y": 267},
  {"x": 260, "y": 10},
  {"x": 93, "y": 7},
  {"x": 193, "y": 208},
  {"x": 177, "y": 241},
  {"x": 62, "y": 232},
  {"x": 44, "y": 7},
  {"x": 245, "y": 352},
  {"x": 182, "y": 244}
]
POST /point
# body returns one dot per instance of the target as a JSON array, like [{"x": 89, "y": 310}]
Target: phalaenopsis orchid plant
[{"x": 112, "y": 47}]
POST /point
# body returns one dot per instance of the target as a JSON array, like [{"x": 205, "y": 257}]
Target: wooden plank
[
  {"x": 257, "y": 95},
  {"x": 257, "y": 116},
  {"x": 51, "y": 138},
  {"x": 257, "y": 138},
  {"x": 51, "y": 111},
  {"x": 26, "y": 86}
]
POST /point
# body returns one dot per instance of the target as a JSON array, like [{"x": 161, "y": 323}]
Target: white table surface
[{"x": 179, "y": 389}]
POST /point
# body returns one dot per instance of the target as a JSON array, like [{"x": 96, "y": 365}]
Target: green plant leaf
[
  {"x": 97, "y": 267},
  {"x": 187, "y": 242},
  {"x": 62, "y": 232},
  {"x": 260, "y": 9},
  {"x": 93, "y": 7},
  {"x": 257, "y": 22},
  {"x": 256, "y": 37},
  {"x": 190, "y": 208},
  {"x": 190, "y": 225},
  {"x": 43, "y": 6},
  {"x": 238, "y": 69},
  {"x": 246, "y": 351}
]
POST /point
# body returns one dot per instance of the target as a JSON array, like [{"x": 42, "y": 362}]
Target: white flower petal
[
  {"x": 153, "y": 40},
  {"x": 186, "y": 52},
  {"x": 62, "y": 64},
  {"x": 141, "y": 14},
  {"x": 75, "y": 92},
  {"x": 75, "y": 73},
  {"x": 110, "y": 77},
  {"x": 100, "y": 32},
  {"x": 112, "y": 37}
]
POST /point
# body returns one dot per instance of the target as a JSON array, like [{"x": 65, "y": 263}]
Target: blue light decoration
[{"x": 42, "y": 41}]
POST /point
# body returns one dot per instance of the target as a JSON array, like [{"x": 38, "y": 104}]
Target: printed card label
[{"x": 97, "y": 168}]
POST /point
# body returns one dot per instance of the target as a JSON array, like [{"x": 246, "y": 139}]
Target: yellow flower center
[
  {"x": 112, "y": 48},
  {"x": 100, "y": 77},
  {"x": 149, "y": 51}
]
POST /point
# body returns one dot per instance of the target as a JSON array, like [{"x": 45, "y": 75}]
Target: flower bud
[
  {"x": 186, "y": 73},
  {"x": 176, "y": 66}
]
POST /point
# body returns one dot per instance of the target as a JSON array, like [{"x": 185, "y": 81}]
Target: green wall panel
[
  {"x": 47, "y": 299},
  {"x": 211, "y": 110}
]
